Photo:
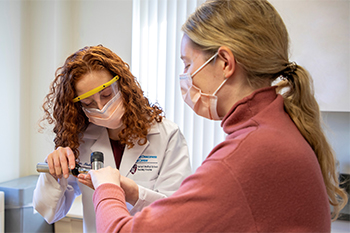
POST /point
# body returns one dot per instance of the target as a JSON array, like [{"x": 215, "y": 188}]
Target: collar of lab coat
[{"x": 102, "y": 143}]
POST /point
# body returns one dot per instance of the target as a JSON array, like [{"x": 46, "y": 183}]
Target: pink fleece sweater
[{"x": 263, "y": 178}]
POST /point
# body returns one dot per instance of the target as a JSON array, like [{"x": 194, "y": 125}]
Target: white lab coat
[{"x": 162, "y": 164}]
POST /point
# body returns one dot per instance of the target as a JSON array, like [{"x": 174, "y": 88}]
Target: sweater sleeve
[
  {"x": 110, "y": 198},
  {"x": 197, "y": 206}
]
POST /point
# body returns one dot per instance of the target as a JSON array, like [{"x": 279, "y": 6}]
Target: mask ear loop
[
  {"x": 204, "y": 64},
  {"x": 220, "y": 85}
]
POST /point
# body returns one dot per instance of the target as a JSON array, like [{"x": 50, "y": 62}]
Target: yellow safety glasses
[{"x": 95, "y": 90}]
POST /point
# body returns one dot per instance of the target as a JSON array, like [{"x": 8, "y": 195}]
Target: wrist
[
  {"x": 134, "y": 196},
  {"x": 131, "y": 190}
]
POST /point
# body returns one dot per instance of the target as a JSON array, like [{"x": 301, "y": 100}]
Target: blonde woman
[{"x": 275, "y": 171}]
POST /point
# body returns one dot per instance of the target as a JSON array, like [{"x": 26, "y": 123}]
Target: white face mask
[
  {"x": 110, "y": 115},
  {"x": 204, "y": 105}
]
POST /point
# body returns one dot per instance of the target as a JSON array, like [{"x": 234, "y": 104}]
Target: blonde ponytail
[{"x": 303, "y": 109}]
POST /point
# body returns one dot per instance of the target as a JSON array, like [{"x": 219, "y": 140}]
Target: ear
[{"x": 229, "y": 61}]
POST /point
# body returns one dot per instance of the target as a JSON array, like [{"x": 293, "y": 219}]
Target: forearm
[{"x": 110, "y": 208}]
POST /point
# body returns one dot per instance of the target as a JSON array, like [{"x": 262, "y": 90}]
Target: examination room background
[{"x": 36, "y": 37}]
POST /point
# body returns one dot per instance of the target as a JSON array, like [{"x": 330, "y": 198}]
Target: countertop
[{"x": 76, "y": 211}]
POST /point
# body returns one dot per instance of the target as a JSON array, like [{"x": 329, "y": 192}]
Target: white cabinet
[
  {"x": 69, "y": 225},
  {"x": 73, "y": 222},
  {"x": 340, "y": 227},
  {"x": 320, "y": 42}
]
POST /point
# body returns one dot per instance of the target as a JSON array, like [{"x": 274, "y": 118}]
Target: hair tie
[{"x": 291, "y": 67}]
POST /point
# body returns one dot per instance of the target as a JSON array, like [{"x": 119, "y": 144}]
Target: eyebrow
[
  {"x": 88, "y": 99},
  {"x": 183, "y": 57},
  {"x": 106, "y": 88}
]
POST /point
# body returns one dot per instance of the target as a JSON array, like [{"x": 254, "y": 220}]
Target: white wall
[
  {"x": 319, "y": 33},
  {"x": 35, "y": 38},
  {"x": 10, "y": 21}
]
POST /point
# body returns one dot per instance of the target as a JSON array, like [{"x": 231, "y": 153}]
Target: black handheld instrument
[{"x": 96, "y": 160}]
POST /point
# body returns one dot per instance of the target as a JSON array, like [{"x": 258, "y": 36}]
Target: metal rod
[{"x": 44, "y": 167}]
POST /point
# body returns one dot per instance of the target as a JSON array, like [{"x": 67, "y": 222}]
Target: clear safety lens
[
  {"x": 99, "y": 101},
  {"x": 107, "y": 109}
]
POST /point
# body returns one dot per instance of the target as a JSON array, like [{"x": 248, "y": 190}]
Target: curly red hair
[{"x": 69, "y": 119}]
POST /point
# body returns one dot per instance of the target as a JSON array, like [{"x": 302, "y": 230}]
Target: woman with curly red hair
[{"x": 96, "y": 104}]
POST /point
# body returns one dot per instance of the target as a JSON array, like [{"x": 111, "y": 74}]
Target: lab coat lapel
[{"x": 130, "y": 157}]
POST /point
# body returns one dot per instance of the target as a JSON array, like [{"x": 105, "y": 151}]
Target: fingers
[
  {"x": 86, "y": 180},
  {"x": 67, "y": 161},
  {"x": 49, "y": 161},
  {"x": 84, "y": 176},
  {"x": 60, "y": 161},
  {"x": 105, "y": 175},
  {"x": 71, "y": 157}
]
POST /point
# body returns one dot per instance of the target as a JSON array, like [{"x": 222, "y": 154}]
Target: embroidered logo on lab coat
[
  {"x": 146, "y": 163},
  {"x": 133, "y": 169}
]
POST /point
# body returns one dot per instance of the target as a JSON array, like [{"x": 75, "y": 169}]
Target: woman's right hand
[{"x": 60, "y": 161}]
